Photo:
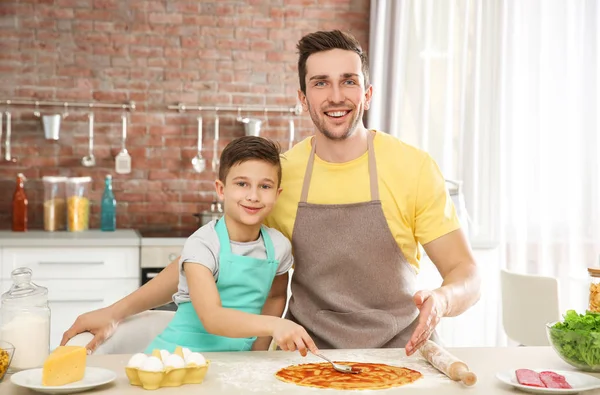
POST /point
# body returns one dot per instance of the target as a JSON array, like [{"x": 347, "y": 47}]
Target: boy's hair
[
  {"x": 324, "y": 41},
  {"x": 250, "y": 148}
]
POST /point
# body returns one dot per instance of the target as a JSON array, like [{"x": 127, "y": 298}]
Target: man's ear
[
  {"x": 368, "y": 96},
  {"x": 219, "y": 188},
  {"x": 302, "y": 98}
]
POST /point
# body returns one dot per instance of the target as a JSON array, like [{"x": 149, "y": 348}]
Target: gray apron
[{"x": 352, "y": 286}]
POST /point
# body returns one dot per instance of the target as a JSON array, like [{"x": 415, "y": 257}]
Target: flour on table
[{"x": 256, "y": 373}]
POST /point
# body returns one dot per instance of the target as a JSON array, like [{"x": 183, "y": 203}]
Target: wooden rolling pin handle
[{"x": 462, "y": 373}]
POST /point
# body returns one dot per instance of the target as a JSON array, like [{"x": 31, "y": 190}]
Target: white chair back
[{"x": 529, "y": 302}]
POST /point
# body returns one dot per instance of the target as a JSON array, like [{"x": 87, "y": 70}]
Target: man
[{"x": 356, "y": 204}]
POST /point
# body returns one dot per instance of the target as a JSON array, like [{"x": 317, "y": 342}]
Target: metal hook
[
  {"x": 239, "y": 114},
  {"x": 266, "y": 117},
  {"x": 36, "y": 112},
  {"x": 66, "y": 112}
]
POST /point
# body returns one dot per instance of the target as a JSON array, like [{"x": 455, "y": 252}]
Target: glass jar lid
[{"x": 23, "y": 291}]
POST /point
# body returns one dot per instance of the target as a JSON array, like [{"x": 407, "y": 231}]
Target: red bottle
[{"x": 19, "y": 206}]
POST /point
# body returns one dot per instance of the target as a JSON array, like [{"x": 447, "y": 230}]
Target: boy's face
[
  {"x": 336, "y": 97},
  {"x": 250, "y": 191}
]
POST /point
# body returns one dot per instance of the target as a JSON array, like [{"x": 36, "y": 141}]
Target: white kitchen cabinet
[
  {"x": 73, "y": 262},
  {"x": 83, "y": 271},
  {"x": 70, "y": 298}
]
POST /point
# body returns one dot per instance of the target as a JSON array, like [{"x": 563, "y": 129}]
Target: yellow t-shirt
[{"x": 412, "y": 190}]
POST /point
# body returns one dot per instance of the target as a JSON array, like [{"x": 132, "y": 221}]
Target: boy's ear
[
  {"x": 279, "y": 191},
  {"x": 219, "y": 188}
]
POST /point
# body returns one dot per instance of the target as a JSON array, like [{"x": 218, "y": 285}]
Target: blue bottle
[{"x": 108, "y": 210}]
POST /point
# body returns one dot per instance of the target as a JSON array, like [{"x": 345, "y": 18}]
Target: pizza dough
[{"x": 372, "y": 376}]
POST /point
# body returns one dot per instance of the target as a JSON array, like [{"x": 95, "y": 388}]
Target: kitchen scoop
[
  {"x": 338, "y": 367},
  {"x": 123, "y": 159}
]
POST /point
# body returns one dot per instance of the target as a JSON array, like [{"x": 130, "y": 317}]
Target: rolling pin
[{"x": 447, "y": 363}]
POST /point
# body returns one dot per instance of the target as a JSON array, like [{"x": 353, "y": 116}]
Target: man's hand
[
  {"x": 432, "y": 307},
  {"x": 290, "y": 336},
  {"x": 101, "y": 323}
]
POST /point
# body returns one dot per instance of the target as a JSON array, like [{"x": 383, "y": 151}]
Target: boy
[{"x": 233, "y": 269}]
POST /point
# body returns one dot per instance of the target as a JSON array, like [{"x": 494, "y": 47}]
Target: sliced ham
[
  {"x": 554, "y": 380},
  {"x": 529, "y": 377}
]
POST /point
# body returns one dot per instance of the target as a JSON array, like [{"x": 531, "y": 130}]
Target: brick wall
[{"x": 157, "y": 53}]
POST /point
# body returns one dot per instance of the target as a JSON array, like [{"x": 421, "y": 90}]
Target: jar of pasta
[
  {"x": 78, "y": 203},
  {"x": 55, "y": 204},
  {"x": 594, "y": 304}
]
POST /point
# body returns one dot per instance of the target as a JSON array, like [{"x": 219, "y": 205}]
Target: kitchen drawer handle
[
  {"x": 71, "y": 263},
  {"x": 76, "y": 300}
]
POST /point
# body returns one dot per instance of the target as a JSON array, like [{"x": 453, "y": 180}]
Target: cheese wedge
[{"x": 66, "y": 364}]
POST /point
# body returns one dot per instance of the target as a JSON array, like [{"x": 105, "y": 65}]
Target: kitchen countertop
[
  {"x": 88, "y": 238},
  {"x": 253, "y": 372}
]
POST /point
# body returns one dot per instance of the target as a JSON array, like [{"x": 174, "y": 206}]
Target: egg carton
[{"x": 192, "y": 373}]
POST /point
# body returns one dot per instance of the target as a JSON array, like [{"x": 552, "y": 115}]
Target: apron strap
[
  {"x": 223, "y": 235},
  {"x": 372, "y": 170},
  {"x": 225, "y": 243},
  {"x": 268, "y": 243}
]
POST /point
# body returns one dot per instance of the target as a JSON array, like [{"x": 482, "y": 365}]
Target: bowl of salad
[{"x": 577, "y": 339}]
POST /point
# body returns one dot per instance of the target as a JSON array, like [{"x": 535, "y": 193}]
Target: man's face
[{"x": 336, "y": 97}]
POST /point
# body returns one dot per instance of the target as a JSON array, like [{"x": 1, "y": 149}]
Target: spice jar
[
  {"x": 594, "y": 301},
  {"x": 78, "y": 203},
  {"x": 25, "y": 318},
  {"x": 55, "y": 204}
]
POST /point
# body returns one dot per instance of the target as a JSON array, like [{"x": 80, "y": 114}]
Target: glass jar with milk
[{"x": 25, "y": 321}]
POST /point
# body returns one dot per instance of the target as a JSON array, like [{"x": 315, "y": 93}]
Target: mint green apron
[{"x": 243, "y": 284}]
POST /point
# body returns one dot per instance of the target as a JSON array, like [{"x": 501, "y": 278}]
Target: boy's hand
[{"x": 290, "y": 336}]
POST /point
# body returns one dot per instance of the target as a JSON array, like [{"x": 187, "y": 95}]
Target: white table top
[{"x": 253, "y": 372}]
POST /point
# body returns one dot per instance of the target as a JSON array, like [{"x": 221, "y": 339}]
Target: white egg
[
  {"x": 137, "y": 360},
  {"x": 152, "y": 364},
  {"x": 174, "y": 361},
  {"x": 187, "y": 351},
  {"x": 195, "y": 358},
  {"x": 164, "y": 354}
]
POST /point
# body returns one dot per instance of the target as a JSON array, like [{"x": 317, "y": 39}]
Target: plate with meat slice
[{"x": 549, "y": 381}]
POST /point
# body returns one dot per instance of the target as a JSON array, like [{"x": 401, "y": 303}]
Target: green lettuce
[{"x": 577, "y": 338}]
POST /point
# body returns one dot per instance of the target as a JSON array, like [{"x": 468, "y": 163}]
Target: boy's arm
[
  {"x": 217, "y": 319},
  {"x": 274, "y": 306},
  {"x": 103, "y": 322}
]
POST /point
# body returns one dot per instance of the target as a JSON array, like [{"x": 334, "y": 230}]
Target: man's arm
[
  {"x": 454, "y": 260},
  {"x": 460, "y": 288},
  {"x": 274, "y": 305}
]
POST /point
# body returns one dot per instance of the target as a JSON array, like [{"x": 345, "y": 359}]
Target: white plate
[
  {"x": 579, "y": 382},
  {"x": 94, "y": 377}
]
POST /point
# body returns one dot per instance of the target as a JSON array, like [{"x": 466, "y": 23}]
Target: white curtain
[{"x": 504, "y": 96}]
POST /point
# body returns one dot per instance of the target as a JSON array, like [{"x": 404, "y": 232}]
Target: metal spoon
[
  {"x": 292, "y": 135},
  {"x": 1, "y": 115},
  {"x": 198, "y": 162},
  {"x": 90, "y": 160},
  {"x": 215, "y": 158},
  {"x": 338, "y": 367},
  {"x": 7, "y": 154}
]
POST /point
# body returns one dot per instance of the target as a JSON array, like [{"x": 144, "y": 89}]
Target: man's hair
[
  {"x": 324, "y": 41},
  {"x": 249, "y": 148}
]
